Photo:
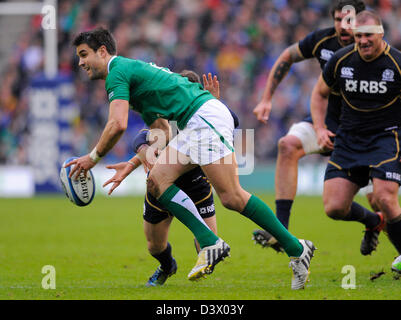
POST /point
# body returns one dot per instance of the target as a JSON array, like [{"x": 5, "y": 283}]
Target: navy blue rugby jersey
[
  {"x": 322, "y": 44},
  {"x": 370, "y": 90}
]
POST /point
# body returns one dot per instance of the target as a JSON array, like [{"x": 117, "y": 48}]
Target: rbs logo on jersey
[{"x": 364, "y": 86}]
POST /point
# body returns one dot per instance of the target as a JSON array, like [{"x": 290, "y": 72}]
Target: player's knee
[
  {"x": 152, "y": 186},
  {"x": 289, "y": 146},
  {"x": 232, "y": 200},
  {"x": 335, "y": 210},
  {"x": 372, "y": 201},
  {"x": 385, "y": 201}
]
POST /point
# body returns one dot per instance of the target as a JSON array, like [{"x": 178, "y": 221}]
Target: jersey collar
[
  {"x": 385, "y": 50},
  {"x": 108, "y": 64}
]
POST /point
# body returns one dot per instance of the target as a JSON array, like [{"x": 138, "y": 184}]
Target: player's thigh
[
  {"x": 302, "y": 137},
  {"x": 338, "y": 194},
  {"x": 170, "y": 165},
  {"x": 385, "y": 193},
  {"x": 223, "y": 175}
]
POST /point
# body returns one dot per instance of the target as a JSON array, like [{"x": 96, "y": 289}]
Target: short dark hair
[
  {"x": 368, "y": 14},
  {"x": 340, "y": 4},
  {"x": 97, "y": 38},
  {"x": 191, "y": 75}
]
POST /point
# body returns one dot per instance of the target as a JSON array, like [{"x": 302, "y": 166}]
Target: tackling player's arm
[
  {"x": 319, "y": 103},
  {"x": 123, "y": 170},
  {"x": 280, "y": 69},
  {"x": 114, "y": 129},
  {"x": 158, "y": 137}
]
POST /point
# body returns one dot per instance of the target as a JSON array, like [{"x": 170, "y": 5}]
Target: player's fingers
[
  {"x": 77, "y": 173},
  {"x": 260, "y": 117},
  {"x": 73, "y": 170},
  {"x": 204, "y": 80},
  {"x": 70, "y": 163},
  {"x": 75, "y": 176},
  {"x": 115, "y": 185},
  {"x": 265, "y": 114},
  {"x": 329, "y": 144},
  {"x": 108, "y": 182}
]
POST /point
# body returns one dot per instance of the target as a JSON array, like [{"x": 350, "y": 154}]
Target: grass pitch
[{"x": 99, "y": 252}]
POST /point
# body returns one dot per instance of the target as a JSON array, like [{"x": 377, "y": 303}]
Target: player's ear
[{"x": 102, "y": 51}]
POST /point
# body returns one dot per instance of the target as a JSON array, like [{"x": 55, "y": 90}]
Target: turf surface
[{"x": 99, "y": 252}]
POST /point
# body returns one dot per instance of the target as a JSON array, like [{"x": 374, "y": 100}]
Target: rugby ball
[{"x": 80, "y": 191}]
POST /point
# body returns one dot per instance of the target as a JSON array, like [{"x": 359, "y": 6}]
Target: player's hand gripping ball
[{"x": 80, "y": 191}]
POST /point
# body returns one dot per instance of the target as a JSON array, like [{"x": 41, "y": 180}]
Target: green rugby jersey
[{"x": 153, "y": 91}]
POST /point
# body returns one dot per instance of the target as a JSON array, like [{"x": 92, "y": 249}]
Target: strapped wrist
[
  {"x": 135, "y": 162},
  {"x": 95, "y": 156}
]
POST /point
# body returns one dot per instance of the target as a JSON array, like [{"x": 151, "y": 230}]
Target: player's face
[
  {"x": 344, "y": 33},
  {"x": 92, "y": 62},
  {"x": 369, "y": 44}
]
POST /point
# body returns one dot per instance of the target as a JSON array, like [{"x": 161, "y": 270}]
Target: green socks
[
  {"x": 178, "y": 203},
  {"x": 182, "y": 207},
  {"x": 263, "y": 216}
]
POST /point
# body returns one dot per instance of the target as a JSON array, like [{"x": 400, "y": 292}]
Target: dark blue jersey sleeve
[
  {"x": 328, "y": 73},
  {"x": 307, "y": 45}
]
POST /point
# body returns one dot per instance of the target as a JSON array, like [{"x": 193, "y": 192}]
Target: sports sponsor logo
[
  {"x": 207, "y": 209},
  {"x": 363, "y": 86},
  {"x": 111, "y": 94},
  {"x": 326, "y": 54},
  {"x": 388, "y": 75},
  {"x": 347, "y": 72},
  {"x": 393, "y": 176}
]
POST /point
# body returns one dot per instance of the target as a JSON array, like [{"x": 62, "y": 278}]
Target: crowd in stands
[{"x": 238, "y": 40}]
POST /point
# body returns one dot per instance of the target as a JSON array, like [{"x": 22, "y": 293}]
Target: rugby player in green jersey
[
  {"x": 205, "y": 139},
  {"x": 156, "y": 219}
]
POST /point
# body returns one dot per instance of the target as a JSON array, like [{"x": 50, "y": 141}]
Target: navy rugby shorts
[
  {"x": 360, "y": 157},
  {"x": 196, "y": 186}
]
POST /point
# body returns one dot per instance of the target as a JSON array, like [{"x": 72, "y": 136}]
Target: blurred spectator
[{"x": 238, "y": 40}]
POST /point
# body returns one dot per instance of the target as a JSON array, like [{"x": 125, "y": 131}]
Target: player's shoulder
[
  {"x": 324, "y": 34},
  {"x": 122, "y": 63},
  {"x": 319, "y": 41},
  {"x": 319, "y": 36},
  {"x": 395, "y": 53},
  {"x": 120, "y": 68}
]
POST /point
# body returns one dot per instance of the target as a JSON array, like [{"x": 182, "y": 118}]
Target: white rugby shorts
[
  {"x": 306, "y": 134},
  {"x": 208, "y": 135}
]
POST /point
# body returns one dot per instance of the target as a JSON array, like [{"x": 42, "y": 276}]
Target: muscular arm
[
  {"x": 319, "y": 103},
  {"x": 280, "y": 70},
  {"x": 115, "y": 127},
  {"x": 160, "y": 133},
  {"x": 277, "y": 74}
]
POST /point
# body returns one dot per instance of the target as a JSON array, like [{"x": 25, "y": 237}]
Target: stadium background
[
  {"x": 99, "y": 251},
  {"x": 237, "y": 40}
]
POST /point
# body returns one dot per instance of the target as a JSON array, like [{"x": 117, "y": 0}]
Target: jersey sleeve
[
  {"x": 307, "y": 45},
  {"x": 328, "y": 73},
  {"x": 117, "y": 85}
]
